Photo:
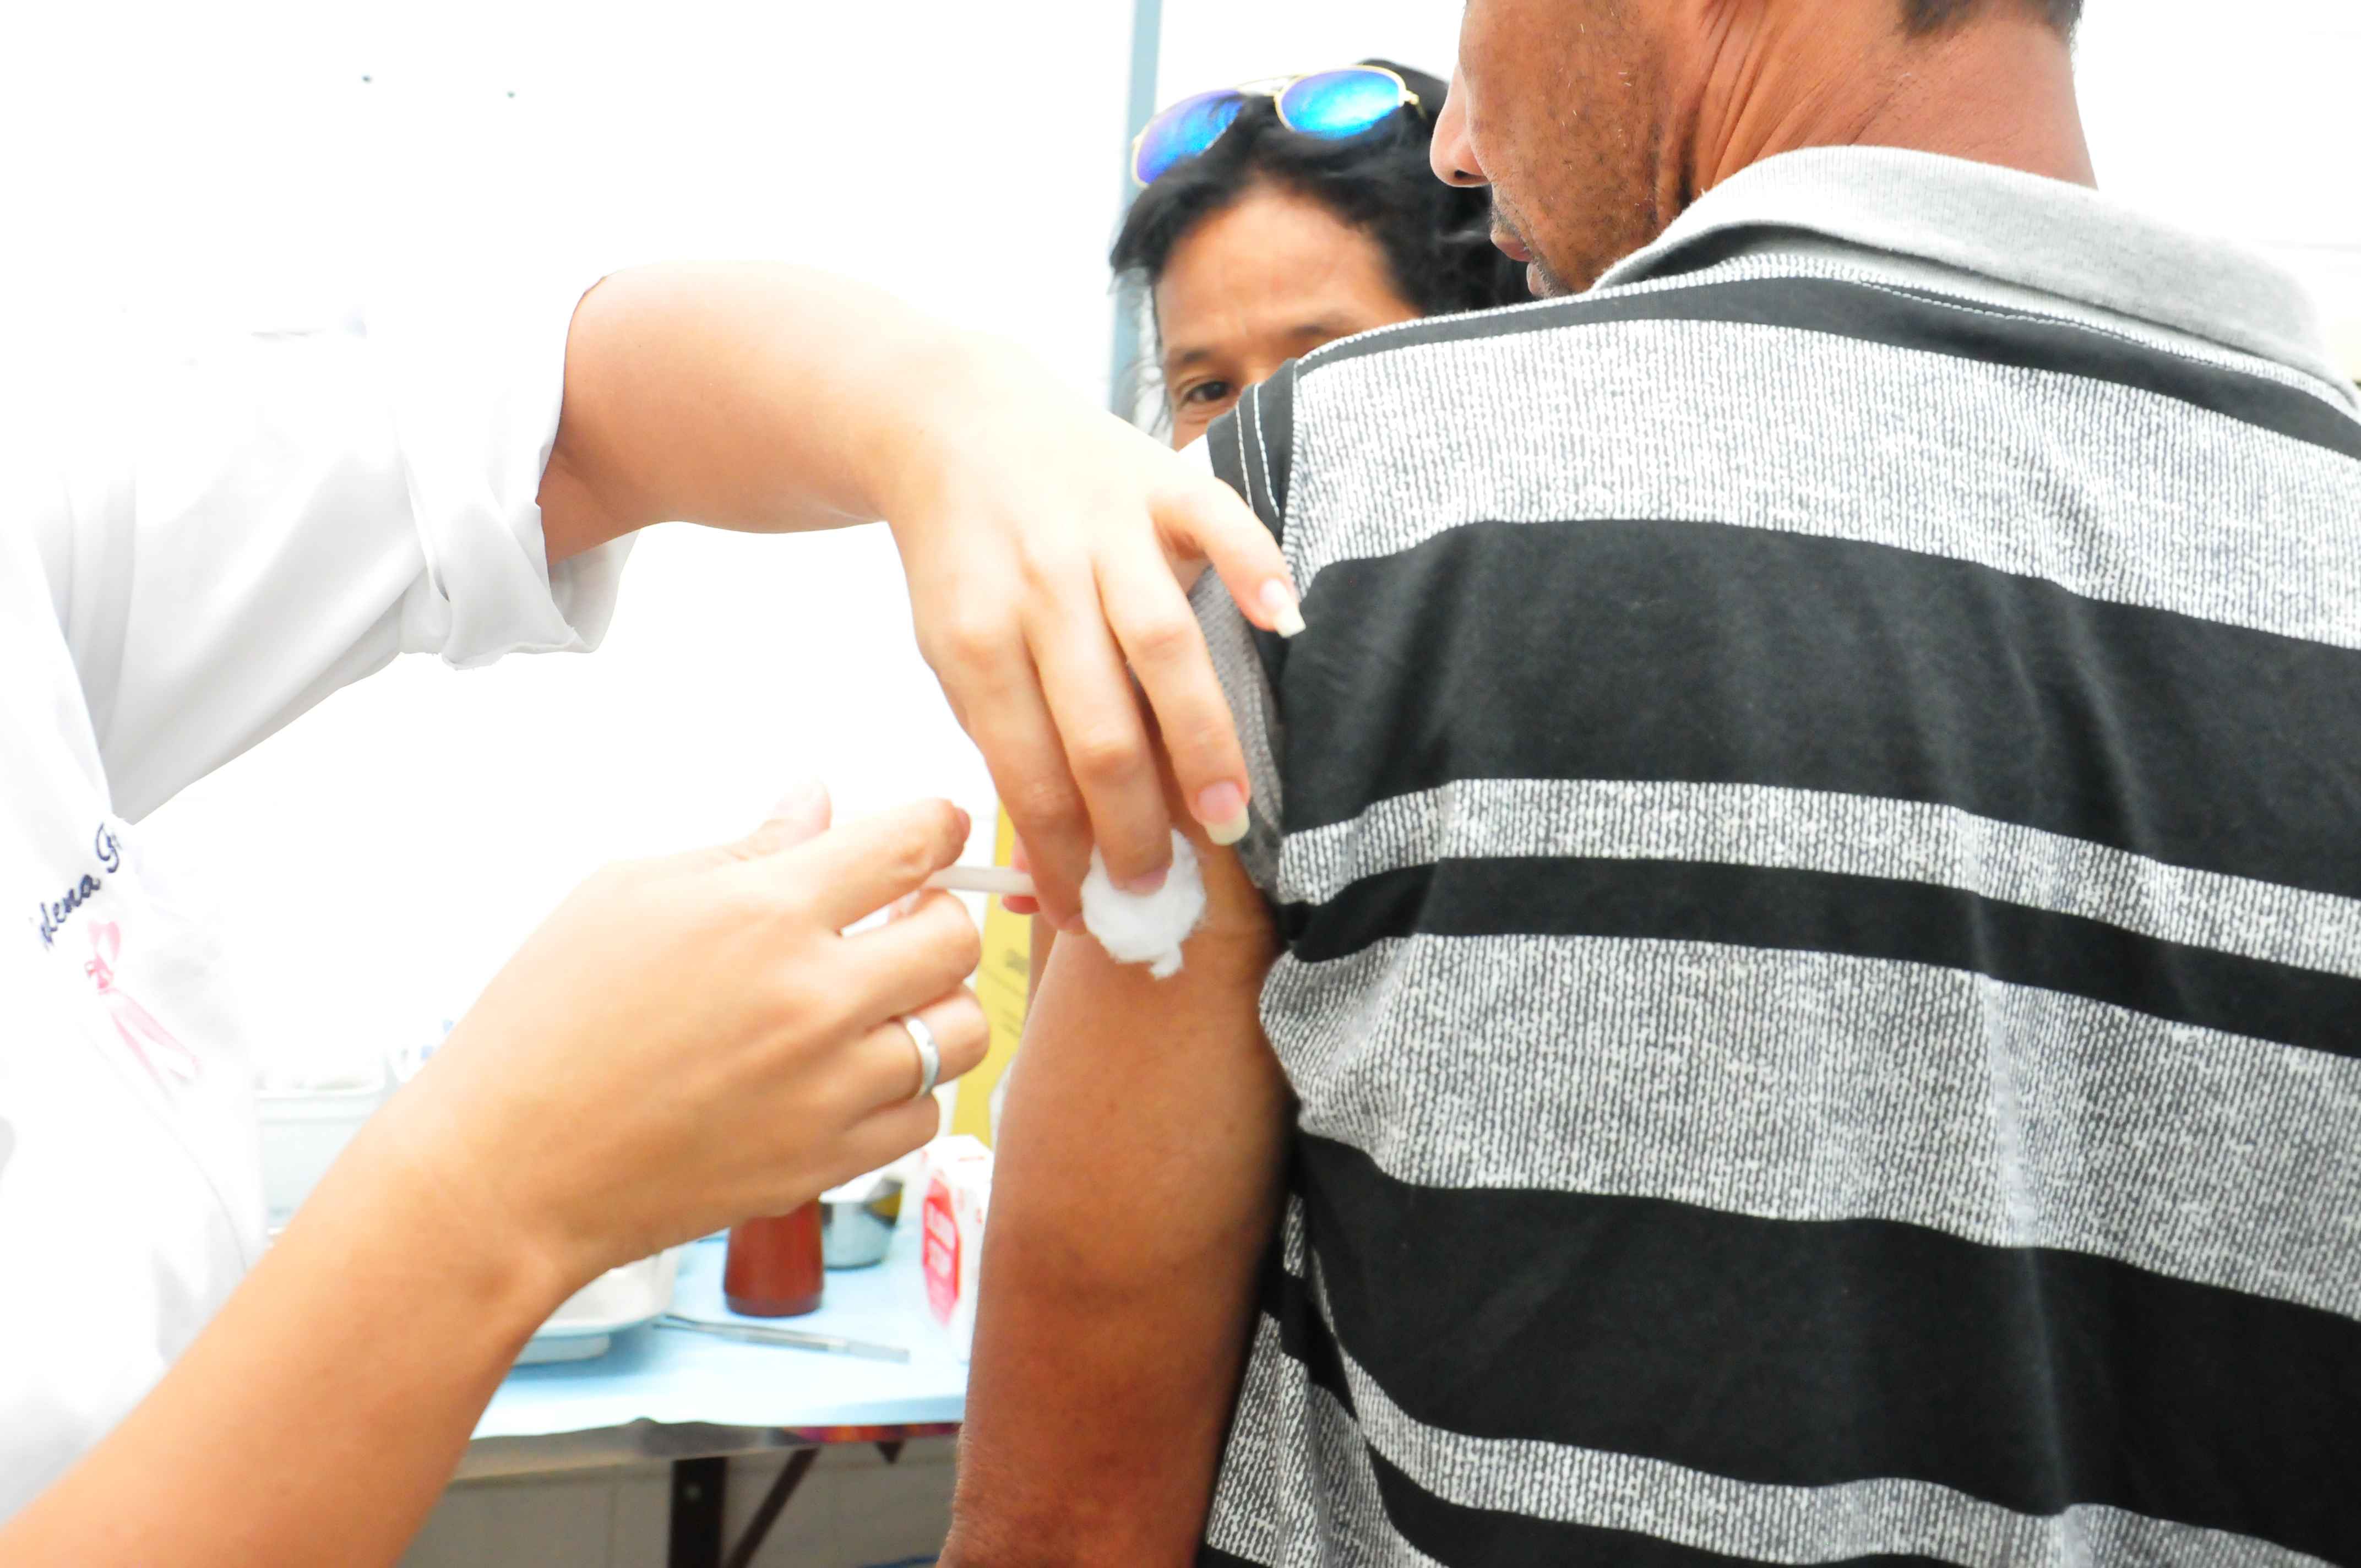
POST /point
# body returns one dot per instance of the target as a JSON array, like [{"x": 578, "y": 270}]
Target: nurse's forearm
[
  {"x": 751, "y": 395},
  {"x": 319, "y": 1418}
]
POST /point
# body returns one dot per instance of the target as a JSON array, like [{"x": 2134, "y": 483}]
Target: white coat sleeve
[{"x": 241, "y": 527}]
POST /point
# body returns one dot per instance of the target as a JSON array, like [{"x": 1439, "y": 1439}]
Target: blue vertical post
[{"x": 1146, "y": 56}]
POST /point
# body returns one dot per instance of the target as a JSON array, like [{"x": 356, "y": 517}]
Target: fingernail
[
  {"x": 967, "y": 822},
  {"x": 1140, "y": 887},
  {"x": 1286, "y": 613},
  {"x": 801, "y": 798},
  {"x": 1223, "y": 810}
]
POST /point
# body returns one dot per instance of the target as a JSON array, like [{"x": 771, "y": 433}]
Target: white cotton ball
[{"x": 1147, "y": 929}]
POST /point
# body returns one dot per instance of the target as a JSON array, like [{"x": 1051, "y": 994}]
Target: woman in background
[
  {"x": 1259, "y": 241},
  {"x": 1281, "y": 217}
]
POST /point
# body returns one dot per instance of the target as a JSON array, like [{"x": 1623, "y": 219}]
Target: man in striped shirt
[{"x": 1796, "y": 993}]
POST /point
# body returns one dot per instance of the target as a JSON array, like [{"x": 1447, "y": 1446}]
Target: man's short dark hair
[{"x": 1937, "y": 15}]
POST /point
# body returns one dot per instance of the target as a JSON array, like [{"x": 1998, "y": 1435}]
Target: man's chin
[
  {"x": 1543, "y": 283},
  {"x": 1510, "y": 240}
]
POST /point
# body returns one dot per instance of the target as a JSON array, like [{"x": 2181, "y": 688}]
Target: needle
[{"x": 998, "y": 880}]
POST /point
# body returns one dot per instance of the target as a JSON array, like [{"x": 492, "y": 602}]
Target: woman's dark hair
[{"x": 1437, "y": 238}]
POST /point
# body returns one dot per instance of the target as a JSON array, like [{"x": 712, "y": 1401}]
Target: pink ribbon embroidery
[{"x": 137, "y": 1027}]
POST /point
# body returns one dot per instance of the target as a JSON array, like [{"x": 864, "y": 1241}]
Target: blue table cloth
[{"x": 671, "y": 1378}]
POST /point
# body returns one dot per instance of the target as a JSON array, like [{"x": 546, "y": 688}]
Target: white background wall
[
  {"x": 1214, "y": 43},
  {"x": 2237, "y": 119}
]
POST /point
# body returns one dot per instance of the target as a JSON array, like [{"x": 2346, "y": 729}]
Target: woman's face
[{"x": 1267, "y": 280}]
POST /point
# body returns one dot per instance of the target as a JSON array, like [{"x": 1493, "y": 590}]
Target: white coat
[{"x": 195, "y": 548}]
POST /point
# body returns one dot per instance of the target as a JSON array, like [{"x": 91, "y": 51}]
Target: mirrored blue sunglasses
[{"x": 1334, "y": 105}]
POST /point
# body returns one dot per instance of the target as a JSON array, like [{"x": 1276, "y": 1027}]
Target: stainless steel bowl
[{"x": 856, "y": 1227}]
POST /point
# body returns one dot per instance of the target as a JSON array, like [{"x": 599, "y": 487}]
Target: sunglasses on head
[{"x": 1334, "y": 105}]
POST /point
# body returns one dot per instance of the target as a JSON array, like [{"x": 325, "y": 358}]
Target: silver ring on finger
[{"x": 930, "y": 1056}]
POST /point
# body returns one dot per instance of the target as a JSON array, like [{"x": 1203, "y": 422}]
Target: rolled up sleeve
[
  {"x": 475, "y": 438},
  {"x": 244, "y": 525}
]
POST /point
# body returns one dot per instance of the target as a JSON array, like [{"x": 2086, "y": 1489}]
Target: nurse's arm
[
  {"x": 1137, "y": 1190},
  {"x": 1040, "y": 533},
  {"x": 322, "y": 1413}
]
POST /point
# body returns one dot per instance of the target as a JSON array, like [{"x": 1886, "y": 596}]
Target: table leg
[
  {"x": 699, "y": 1488},
  {"x": 774, "y": 1502}
]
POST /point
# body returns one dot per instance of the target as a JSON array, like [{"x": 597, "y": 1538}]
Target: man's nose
[{"x": 1452, "y": 155}]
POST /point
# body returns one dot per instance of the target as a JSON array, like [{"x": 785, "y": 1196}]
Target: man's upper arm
[{"x": 1141, "y": 1165}]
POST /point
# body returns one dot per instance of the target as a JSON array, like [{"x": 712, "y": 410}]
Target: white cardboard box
[{"x": 951, "y": 1220}]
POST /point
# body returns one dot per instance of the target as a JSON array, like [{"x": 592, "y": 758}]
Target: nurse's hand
[
  {"x": 1047, "y": 544},
  {"x": 690, "y": 1042},
  {"x": 1044, "y": 538}
]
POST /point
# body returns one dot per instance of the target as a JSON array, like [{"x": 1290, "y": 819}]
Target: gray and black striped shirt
[{"x": 1817, "y": 830}]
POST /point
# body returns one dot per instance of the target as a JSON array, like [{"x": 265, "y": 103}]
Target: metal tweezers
[{"x": 798, "y": 1339}]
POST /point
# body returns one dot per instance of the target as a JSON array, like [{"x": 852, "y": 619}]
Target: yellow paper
[{"x": 1002, "y": 983}]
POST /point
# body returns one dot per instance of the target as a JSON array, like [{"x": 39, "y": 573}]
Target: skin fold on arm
[{"x": 1138, "y": 1182}]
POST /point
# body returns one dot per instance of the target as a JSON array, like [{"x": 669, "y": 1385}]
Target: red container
[{"x": 774, "y": 1269}]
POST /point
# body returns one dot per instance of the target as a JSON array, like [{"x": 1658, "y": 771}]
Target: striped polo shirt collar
[{"x": 2017, "y": 229}]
